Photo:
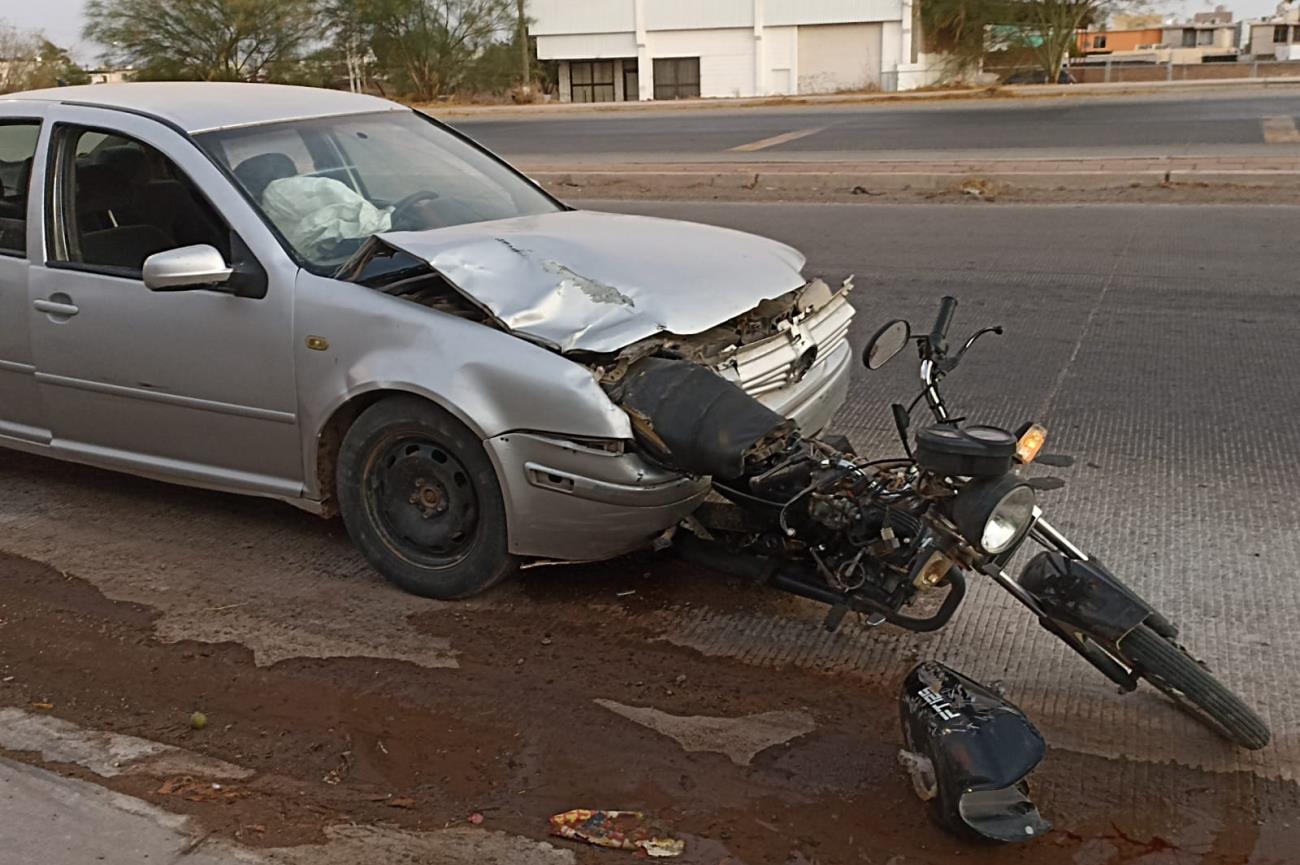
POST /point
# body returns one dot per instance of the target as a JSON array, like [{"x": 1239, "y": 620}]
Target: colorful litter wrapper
[{"x": 620, "y": 830}]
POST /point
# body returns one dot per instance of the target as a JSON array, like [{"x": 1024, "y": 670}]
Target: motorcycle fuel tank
[{"x": 968, "y": 752}]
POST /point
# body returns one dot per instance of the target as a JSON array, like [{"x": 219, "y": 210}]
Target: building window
[
  {"x": 1295, "y": 34},
  {"x": 1279, "y": 33},
  {"x": 1189, "y": 38},
  {"x": 677, "y": 78},
  {"x": 591, "y": 81},
  {"x": 1099, "y": 41},
  {"x": 1204, "y": 37}
]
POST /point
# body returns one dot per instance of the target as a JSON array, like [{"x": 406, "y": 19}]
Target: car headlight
[{"x": 994, "y": 514}]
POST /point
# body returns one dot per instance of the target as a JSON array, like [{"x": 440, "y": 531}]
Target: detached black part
[
  {"x": 969, "y": 751},
  {"x": 690, "y": 418}
]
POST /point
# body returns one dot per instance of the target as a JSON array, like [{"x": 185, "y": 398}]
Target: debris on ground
[
  {"x": 978, "y": 187},
  {"x": 620, "y": 830},
  {"x": 194, "y": 790},
  {"x": 198, "y": 721}
]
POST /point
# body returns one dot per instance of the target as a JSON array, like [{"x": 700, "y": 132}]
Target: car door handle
[{"x": 53, "y": 307}]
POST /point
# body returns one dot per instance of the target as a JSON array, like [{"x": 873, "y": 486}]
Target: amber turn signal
[{"x": 1030, "y": 443}]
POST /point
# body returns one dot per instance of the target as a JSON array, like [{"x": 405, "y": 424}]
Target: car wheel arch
[{"x": 325, "y": 444}]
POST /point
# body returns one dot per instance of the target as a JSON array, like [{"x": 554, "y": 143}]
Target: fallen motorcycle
[{"x": 875, "y": 536}]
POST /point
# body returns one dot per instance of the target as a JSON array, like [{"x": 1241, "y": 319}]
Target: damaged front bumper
[
  {"x": 968, "y": 752},
  {"x": 573, "y": 501}
]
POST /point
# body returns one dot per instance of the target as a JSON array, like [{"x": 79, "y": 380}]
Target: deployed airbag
[{"x": 315, "y": 213}]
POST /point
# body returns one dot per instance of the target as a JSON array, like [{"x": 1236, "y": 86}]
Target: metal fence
[{"x": 1109, "y": 72}]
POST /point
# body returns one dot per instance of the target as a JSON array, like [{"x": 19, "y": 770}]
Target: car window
[
  {"x": 328, "y": 184},
  {"x": 17, "y": 150},
  {"x": 123, "y": 200}
]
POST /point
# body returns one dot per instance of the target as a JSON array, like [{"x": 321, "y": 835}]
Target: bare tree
[
  {"x": 18, "y": 57},
  {"x": 429, "y": 44},
  {"x": 231, "y": 40},
  {"x": 1050, "y": 29},
  {"x": 1044, "y": 30}
]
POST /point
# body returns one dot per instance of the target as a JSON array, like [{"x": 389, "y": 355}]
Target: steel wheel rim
[{"x": 422, "y": 501}]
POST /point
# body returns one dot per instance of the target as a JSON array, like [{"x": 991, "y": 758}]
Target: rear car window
[{"x": 17, "y": 152}]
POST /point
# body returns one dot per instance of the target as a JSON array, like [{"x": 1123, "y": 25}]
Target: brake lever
[{"x": 948, "y": 364}]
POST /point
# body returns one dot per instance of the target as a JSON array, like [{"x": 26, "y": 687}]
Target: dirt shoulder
[
  {"x": 1174, "y": 180},
  {"x": 938, "y": 94}
]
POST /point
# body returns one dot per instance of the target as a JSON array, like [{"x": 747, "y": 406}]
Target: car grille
[{"x": 783, "y": 359}]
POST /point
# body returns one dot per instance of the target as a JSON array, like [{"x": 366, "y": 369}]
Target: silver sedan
[{"x": 334, "y": 300}]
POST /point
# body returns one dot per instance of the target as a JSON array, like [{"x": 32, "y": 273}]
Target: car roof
[{"x": 201, "y": 106}]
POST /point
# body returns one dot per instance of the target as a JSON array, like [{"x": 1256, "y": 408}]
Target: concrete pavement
[
  {"x": 1154, "y": 342},
  {"x": 47, "y": 818}
]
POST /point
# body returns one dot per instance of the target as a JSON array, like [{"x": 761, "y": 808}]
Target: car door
[
  {"x": 194, "y": 385},
  {"x": 21, "y": 419}
]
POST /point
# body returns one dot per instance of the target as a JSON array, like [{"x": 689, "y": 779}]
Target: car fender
[{"x": 352, "y": 341}]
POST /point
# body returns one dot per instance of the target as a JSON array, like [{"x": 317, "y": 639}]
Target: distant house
[
  {"x": 109, "y": 76},
  {"x": 623, "y": 50},
  {"x": 1208, "y": 37},
  {"x": 1273, "y": 38}
]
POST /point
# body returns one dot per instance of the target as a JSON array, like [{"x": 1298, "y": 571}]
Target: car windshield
[{"x": 328, "y": 184}]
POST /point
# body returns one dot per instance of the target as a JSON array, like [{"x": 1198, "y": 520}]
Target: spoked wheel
[
  {"x": 1188, "y": 683},
  {"x": 421, "y": 501}
]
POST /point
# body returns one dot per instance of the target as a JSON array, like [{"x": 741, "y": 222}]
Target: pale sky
[{"x": 61, "y": 20}]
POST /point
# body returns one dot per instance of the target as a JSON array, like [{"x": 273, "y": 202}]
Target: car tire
[{"x": 421, "y": 500}]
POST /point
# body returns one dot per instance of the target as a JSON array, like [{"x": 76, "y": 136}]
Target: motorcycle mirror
[{"x": 887, "y": 342}]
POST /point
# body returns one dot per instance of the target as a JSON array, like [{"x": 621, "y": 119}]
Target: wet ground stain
[{"x": 514, "y": 734}]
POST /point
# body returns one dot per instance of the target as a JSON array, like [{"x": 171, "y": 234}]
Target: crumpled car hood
[{"x": 587, "y": 281}]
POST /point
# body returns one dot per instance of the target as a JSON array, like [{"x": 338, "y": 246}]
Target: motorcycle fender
[
  {"x": 968, "y": 751},
  {"x": 1084, "y": 597}
]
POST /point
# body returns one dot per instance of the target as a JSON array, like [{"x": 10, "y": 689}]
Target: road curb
[
  {"x": 866, "y": 181},
  {"x": 973, "y": 94}
]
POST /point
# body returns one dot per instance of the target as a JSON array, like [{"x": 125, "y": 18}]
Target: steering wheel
[{"x": 410, "y": 214}]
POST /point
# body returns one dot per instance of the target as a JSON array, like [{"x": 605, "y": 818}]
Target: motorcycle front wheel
[{"x": 1187, "y": 682}]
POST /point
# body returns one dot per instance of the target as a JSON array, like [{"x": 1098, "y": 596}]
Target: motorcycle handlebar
[{"x": 939, "y": 334}]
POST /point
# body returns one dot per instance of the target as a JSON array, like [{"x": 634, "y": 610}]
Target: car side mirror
[
  {"x": 189, "y": 267},
  {"x": 887, "y": 342}
]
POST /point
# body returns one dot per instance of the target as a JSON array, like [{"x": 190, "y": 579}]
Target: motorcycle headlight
[{"x": 994, "y": 514}]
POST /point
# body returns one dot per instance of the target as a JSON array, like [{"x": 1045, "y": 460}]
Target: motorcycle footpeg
[{"x": 968, "y": 751}]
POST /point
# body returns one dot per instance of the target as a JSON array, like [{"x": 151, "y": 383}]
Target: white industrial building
[{"x": 624, "y": 50}]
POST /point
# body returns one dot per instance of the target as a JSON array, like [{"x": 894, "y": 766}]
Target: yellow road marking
[
  {"x": 783, "y": 138},
  {"x": 1280, "y": 130}
]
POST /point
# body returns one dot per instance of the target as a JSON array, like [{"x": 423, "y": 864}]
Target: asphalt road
[
  {"x": 1239, "y": 123},
  {"x": 1154, "y": 342}
]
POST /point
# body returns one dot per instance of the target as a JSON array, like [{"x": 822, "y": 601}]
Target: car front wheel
[{"x": 421, "y": 501}]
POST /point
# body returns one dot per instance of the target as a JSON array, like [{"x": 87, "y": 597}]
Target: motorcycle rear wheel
[{"x": 1183, "y": 679}]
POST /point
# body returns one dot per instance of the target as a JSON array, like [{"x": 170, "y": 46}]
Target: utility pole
[{"x": 527, "y": 81}]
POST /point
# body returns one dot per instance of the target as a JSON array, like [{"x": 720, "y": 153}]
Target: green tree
[
  {"x": 212, "y": 40},
  {"x": 18, "y": 50},
  {"x": 427, "y": 47},
  {"x": 1050, "y": 29},
  {"x": 1044, "y": 30},
  {"x": 29, "y": 61},
  {"x": 55, "y": 67}
]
